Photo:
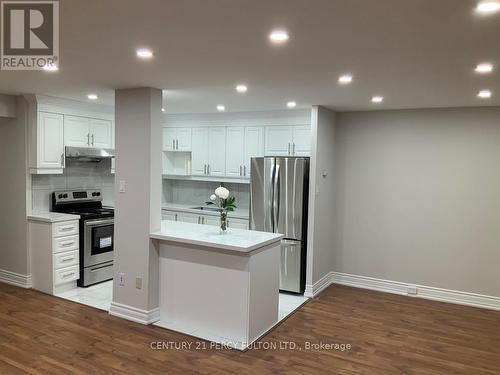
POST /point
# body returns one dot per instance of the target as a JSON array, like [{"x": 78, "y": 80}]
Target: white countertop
[
  {"x": 51, "y": 217},
  {"x": 239, "y": 213},
  {"x": 238, "y": 240}
]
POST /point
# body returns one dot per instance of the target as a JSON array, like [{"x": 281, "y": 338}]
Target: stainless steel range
[{"x": 96, "y": 232}]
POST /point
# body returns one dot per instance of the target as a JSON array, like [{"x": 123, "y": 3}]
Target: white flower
[
  {"x": 222, "y": 192},
  {"x": 213, "y": 197}
]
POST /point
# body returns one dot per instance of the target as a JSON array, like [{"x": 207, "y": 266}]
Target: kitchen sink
[{"x": 206, "y": 208}]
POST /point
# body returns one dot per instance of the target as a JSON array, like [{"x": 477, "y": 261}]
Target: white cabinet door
[
  {"x": 254, "y": 147},
  {"x": 76, "y": 131},
  {"x": 169, "y": 136},
  {"x": 217, "y": 151},
  {"x": 183, "y": 140},
  {"x": 237, "y": 223},
  {"x": 301, "y": 141},
  {"x": 188, "y": 218},
  {"x": 211, "y": 220},
  {"x": 235, "y": 148},
  {"x": 278, "y": 140},
  {"x": 101, "y": 133},
  {"x": 199, "y": 156},
  {"x": 50, "y": 140},
  {"x": 169, "y": 215}
]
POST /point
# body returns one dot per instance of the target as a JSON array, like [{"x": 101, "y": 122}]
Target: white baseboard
[
  {"x": 134, "y": 314},
  {"x": 17, "y": 279},
  {"x": 318, "y": 286},
  {"x": 396, "y": 287}
]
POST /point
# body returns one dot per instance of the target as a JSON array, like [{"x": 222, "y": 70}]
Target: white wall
[
  {"x": 321, "y": 197},
  {"x": 13, "y": 194},
  {"x": 77, "y": 175},
  {"x": 138, "y": 209},
  {"x": 418, "y": 194},
  {"x": 8, "y": 106}
]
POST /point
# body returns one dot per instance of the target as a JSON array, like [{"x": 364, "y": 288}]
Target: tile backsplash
[
  {"x": 77, "y": 175},
  {"x": 198, "y": 192}
]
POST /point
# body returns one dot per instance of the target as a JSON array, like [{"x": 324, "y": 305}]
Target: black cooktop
[{"x": 91, "y": 213}]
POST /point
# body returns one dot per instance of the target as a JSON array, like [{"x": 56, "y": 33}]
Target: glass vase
[{"x": 223, "y": 222}]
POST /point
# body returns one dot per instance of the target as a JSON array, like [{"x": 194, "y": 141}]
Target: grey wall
[
  {"x": 13, "y": 193},
  {"x": 418, "y": 197},
  {"x": 321, "y": 197}
]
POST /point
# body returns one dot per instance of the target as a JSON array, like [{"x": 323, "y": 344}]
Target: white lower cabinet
[
  {"x": 55, "y": 259},
  {"x": 213, "y": 220}
]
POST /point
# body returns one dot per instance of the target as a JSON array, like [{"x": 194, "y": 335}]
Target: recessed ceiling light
[
  {"x": 221, "y": 108},
  {"x": 377, "y": 99},
  {"x": 92, "y": 96},
  {"x": 50, "y": 68},
  {"x": 291, "y": 104},
  {"x": 488, "y": 6},
  {"x": 163, "y": 109},
  {"x": 278, "y": 36},
  {"x": 242, "y": 89},
  {"x": 484, "y": 68},
  {"x": 484, "y": 94},
  {"x": 345, "y": 79},
  {"x": 144, "y": 53}
]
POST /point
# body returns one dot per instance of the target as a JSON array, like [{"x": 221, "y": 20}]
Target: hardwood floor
[{"x": 389, "y": 334}]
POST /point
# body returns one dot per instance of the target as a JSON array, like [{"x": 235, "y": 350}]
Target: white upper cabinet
[
  {"x": 87, "y": 132},
  {"x": 199, "y": 155},
  {"x": 235, "y": 151},
  {"x": 176, "y": 139},
  {"x": 50, "y": 143},
  {"x": 254, "y": 146},
  {"x": 242, "y": 145},
  {"x": 217, "y": 151},
  {"x": 288, "y": 141},
  {"x": 101, "y": 132},
  {"x": 278, "y": 140},
  {"x": 76, "y": 131},
  {"x": 301, "y": 142}
]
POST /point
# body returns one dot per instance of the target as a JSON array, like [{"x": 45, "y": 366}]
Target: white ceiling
[{"x": 416, "y": 53}]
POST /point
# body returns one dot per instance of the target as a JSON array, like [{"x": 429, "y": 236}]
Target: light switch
[{"x": 122, "y": 186}]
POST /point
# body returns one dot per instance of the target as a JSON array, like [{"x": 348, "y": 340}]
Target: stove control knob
[
  {"x": 60, "y": 196},
  {"x": 98, "y": 194},
  {"x": 65, "y": 196}
]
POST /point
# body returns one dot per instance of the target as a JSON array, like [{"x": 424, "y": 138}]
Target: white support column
[{"x": 137, "y": 203}]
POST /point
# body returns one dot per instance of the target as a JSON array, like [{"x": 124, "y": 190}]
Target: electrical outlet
[
  {"x": 412, "y": 290},
  {"x": 121, "y": 279},
  {"x": 138, "y": 282},
  {"x": 122, "y": 186}
]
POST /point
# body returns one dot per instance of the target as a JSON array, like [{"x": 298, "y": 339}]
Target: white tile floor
[{"x": 100, "y": 296}]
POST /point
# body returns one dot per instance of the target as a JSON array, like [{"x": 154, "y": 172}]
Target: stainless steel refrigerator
[{"x": 278, "y": 203}]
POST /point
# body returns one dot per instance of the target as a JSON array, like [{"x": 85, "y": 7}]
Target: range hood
[{"x": 86, "y": 154}]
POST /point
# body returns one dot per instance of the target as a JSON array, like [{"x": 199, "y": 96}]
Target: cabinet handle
[
  {"x": 203, "y": 220},
  {"x": 244, "y": 170},
  {"x": 177, "y": 144},
  {"x": 293, "y": 149},
  {"x": 288, "y": 148},
  {"x": 92, "y": 139},
  {"x": 88, "y": 139},
  {"x": 67, "y": 274},
  {"x": 240, "y": 171},
  {"x": 208, "y": 169},
  {"x": 175, "y": 217},
  {"x": 205, "y": 169},
  {"x": 173, "y": 144},
  {"x": 68, "y": 258},
  {"x": 67, "y": 227},
  {"x": 67, "y": 243},
  {"x": 62, "y": 160}
]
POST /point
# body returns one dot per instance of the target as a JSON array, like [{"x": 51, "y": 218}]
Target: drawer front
[
  {"x": 65, "y": 228},
  {"x": 63, "y": 260},
  {"x": 67, "y": 274},
  {"x": 68, "y": 243}
]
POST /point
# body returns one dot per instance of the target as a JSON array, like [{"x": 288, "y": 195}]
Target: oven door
[{"x": 98, "y": 241}]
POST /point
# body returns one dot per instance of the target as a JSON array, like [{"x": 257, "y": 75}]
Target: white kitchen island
[{"x": 222, "y": 288}]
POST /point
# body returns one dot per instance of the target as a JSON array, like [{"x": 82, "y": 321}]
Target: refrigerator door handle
[
  {"x": 276, "y": 197},
  {"x": 271, "y": 197}
]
